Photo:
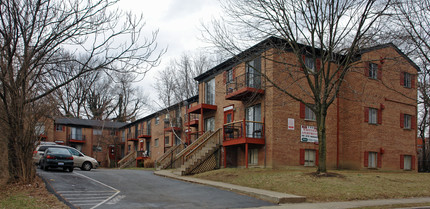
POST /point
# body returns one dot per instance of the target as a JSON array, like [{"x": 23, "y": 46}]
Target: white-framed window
[
  {"x": 310, "y": 64},
  {"x": 309, "y": 114},
  {"x": 210, "y": 124},
  {"x": 373, "y": 115},
  {"x": 310, "y": 157},
  {"x": 157, "y": 120},
  {"x": 407, "y": 162},
  {"x": 210, "y": 92},
  {"x": 407, "y": 119},
  {"x": 373, "y": 70},
  {"x": 97, "y": 131},
  {"x": 156, "y": 142},
  {"x": 253, "y": 157},
  {"x": 407, "y": 80},
  {"x": 373, "y": 159}
]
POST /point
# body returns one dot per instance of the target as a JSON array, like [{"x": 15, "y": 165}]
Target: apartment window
[
  {"x": 166, "y": 140},
  {"x": 59, "y": 127},
  {"x": 373, "y": 115},
  {"x": 309, "y": 114},
  {"x": 373, "y": 71},
  {"x": 210, "y": 124},
  {"x": 253, "y": 156},
  {"x": 309, "y": 63},
  {"x": 210, "y": 92},
  {"x": 112, "y": 132},
  {"x": 129, "y": 148},
  {"x": 407, "y": 162},
  {"x": 407, "y": 119},
  {"x": 407, "y": 81},
  {"x": 253, "y": 73},
  {"x": 229, "y": 76},
  {"x": 156, "y": 142},
  {"x": 97, "y": 132},
  {"x": 157, "y": 120},
  {"x": 310, "y": 157},
  {"x": 372, "y": 160},
  {"x": 39, "y": 129}
]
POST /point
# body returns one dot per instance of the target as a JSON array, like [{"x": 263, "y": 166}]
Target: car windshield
[{"x": 58, "y": 151}]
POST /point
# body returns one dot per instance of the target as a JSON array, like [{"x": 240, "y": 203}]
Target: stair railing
[
  {"x": 180, "y": 157},
  {"x": 214, "y": 137},
  {"x": 169, "y": 156},
  {"x": 125, "y": 159}
]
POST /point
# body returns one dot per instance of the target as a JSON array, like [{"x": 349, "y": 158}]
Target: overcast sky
[{"x": 178, "y": 22}]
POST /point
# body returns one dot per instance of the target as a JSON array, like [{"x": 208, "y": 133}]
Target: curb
[
  {"x": 52, "y": 191},
  {"x": 270, "y": 196}
]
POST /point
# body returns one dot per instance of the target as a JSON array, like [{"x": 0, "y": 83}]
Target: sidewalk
[
  {"x": 352, "y": 204},
  {"x": 270, "y": 196},
  {"x": 294, "y": 201}
]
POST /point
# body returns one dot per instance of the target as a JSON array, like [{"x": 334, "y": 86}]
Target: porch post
[
  {"x": 225, "y": 157},
  {"x": 246, "y": 155}
]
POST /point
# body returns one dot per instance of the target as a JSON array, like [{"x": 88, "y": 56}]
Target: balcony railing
[
  {"x": 144, "y": 133},
  {"x": 173, "y": 122},
  {"x": 76, "y": 137},
  {"x": 192, "y": 117},
  {"x": 143, "y": 154},
  {"x": 244, "y": 130},
  {"x": 251, "y": 80}
]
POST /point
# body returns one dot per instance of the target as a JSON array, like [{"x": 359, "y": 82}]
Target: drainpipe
[{"x": 337, "y": 134}]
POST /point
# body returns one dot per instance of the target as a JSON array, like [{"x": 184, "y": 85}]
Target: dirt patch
[
  {"x": 328, "y": 174},
  {"x": 32, "y": 195}
]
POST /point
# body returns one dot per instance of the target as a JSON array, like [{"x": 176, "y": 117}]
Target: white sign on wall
[
  {"x": 309, "y": 134},
  {"x": 290, "y": 123}
]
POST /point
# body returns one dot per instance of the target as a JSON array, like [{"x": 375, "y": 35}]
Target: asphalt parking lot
[{"x": 113, "y": 188}]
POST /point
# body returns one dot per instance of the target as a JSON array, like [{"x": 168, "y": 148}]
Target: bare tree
[
  {"x": 414, "y": 29},
  {"x": 320, "y": 29},
  {"x": 36, "y": 37},
  {"x": 130, "y": 101}
]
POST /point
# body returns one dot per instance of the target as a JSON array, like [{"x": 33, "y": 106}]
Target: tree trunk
[{"x": 321, "y": 127}]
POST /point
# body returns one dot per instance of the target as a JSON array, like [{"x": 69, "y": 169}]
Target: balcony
[
  {"x": 144, "y": 134},
  {"x": 244, "y": 87},
  {"x": 132, "y": 137},
  {"x": 142, "y": 155},
  {"x": 202, "y": 108},
  {"x": 76, "y": 138},
  {"x": 243, "y": 132},
  {"x": 42, "y": 135},
  {"x": 173, "y": 124},
  {"x": 194, "y": 120},
  {"x": 193, "y": 136}
]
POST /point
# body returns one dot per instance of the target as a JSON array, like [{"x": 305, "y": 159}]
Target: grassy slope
[{"x": 350, "y": 185}]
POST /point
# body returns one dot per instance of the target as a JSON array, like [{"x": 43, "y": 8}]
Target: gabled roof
[
  {"x": 278, "y": 42},
  {"x": 382, "y": 46},
  {"x": 88, "y": 123}
]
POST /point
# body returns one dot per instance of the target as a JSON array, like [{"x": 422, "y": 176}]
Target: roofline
[{"x": 390, "y": 44}]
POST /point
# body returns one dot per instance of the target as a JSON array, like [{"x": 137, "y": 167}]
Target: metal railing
[
  {"x": 244, "y": 128},
  {"x": 173, "y": 122},
  {"x": 78, "y": 137},
  {"x": 167, "y": 158},
  {"x": 143, "y": 132},
  {"x": 252, "y": 80},
  {"x": 193, "y": 116},
  {"x": 143, "y": 153}
]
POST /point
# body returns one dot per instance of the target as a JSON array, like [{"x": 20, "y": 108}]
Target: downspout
[
  {"x": 264, "y": 118},
  {"x": 337, "y": 133}
]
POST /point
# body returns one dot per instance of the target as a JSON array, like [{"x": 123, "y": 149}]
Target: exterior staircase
[
  {"x": 200, "y": 156},
  {"x": 128, "y": 160}
]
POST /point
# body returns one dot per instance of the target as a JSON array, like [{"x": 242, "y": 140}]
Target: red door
[{"x": 112, "y": 153}]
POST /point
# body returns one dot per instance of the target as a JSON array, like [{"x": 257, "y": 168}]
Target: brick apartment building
[{"x": 372, "y": 123}]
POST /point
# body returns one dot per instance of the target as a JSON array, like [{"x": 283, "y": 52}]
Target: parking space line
[
  {"x": 107, "y": 199},
  {"x": 83, "y": 191},
  {"x": 94, "y": 194},
  {"x": 87, "y": 198}
]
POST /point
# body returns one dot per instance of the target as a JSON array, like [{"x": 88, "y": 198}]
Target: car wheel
[
  {"x": 71, "y": 169},
  {"x": 86, "y": 166}
]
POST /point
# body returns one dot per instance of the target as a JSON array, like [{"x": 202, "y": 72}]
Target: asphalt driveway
[{"x": 113, "y": 188}]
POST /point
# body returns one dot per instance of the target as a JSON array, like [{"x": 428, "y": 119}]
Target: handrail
[
  {"x": 252, "y": 80},
  {"x": 200, "y": 145},
  {"x": 239, "y": 129},
  {"x": 168, "y": 153},
  {"x": 126, "y": 157},
  {"x": 201, "y": 138}
]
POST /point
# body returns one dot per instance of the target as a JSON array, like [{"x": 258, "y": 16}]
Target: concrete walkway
[
  {"x": 270, "y": 196},
  {"x": 294, "y": 201}
]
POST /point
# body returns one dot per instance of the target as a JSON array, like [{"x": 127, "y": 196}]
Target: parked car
[
  {"x": 80, "y": 160},
  {"x": 57, "y": 157}
]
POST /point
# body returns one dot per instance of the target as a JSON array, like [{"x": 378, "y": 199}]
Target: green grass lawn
[{"x": 344, "y": 186}]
